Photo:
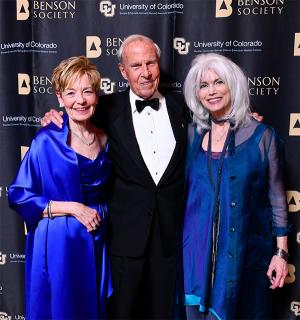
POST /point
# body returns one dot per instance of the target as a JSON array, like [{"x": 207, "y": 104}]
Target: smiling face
[
  {"x": 140, "y": 67},
  {"x": 214, "y": 94},
  {"x": 79, "y": 99}
]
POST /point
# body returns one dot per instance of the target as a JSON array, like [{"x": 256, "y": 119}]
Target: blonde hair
[{"x": 72, "y": 68}]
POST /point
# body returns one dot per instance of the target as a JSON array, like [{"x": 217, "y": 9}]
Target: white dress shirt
[{"x": 154, "y": 135}]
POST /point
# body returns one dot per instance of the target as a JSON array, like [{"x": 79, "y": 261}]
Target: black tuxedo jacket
[{"x": 135, "y": 198}]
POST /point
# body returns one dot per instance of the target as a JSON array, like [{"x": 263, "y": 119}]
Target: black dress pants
[{"x": 144, "y": 287}]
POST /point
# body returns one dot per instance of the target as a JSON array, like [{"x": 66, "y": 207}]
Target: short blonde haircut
[{"x": 72, "y": 68}]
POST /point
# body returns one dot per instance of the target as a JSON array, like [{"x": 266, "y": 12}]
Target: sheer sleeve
[
  {"x": 192, "y": 147},
  {"x": 272, "y": 146}
]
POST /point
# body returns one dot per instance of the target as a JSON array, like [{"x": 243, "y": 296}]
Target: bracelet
[
  {"x": 49, "y": 213},
  {"x": 282, "y": 254}
]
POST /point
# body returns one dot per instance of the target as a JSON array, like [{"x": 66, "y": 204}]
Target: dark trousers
[
  {"x": 144, "y": 287},
  {"x": 193, "y": 313}
]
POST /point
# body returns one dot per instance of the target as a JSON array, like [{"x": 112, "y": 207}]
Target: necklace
[
  {"x": 88, "y": 143},
  {"x": 217, "y": 121},
  {"x": 218, "y": 139}
]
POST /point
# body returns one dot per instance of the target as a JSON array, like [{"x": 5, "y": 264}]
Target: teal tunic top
[{"x": 253, "y": 210}]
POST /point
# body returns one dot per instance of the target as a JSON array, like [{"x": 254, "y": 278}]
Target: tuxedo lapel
[
  {"x": 122, "y": 130},
  {"x": 124, "y": 133}
]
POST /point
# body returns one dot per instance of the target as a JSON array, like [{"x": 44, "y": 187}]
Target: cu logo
[
  {"x": 107, "y": 8},
  {"x": 107, "y": 85},
  {"x": 2, "y": 259},
  {"x": 4, "y": 316},
  {"x": 223, "y": 8},
  {"x": 181, "y": 45},
  {"x": 295, "y": 307}
]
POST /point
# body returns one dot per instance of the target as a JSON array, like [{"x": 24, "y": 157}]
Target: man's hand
[
  {"x": 52, "y": 116},
  {"x": 257, "y": 116}
]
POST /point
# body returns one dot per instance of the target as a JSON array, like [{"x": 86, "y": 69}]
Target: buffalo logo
[
  {"x": 24, "y": 149},
  {"x": 22, "y": 9},
  {"x": 107, "y": 85},
  {"x": 93, "y": 47},
  {"x": 23, "y": 84},
  {"x": 293, "y": 198},
  {"x": 294, "y": 124},
  {"x": 107, "y": 8},
  {"x": 223, "y": 8},
  {"x": 290, "y": 278},
  {"x": 297, "y": 45},
  {"x": 181, "y": 45}
]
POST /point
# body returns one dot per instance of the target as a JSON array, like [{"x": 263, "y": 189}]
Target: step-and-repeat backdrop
[{"x": 263, "y": 36}]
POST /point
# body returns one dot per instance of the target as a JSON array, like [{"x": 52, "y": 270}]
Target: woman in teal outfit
[
  {"x": 236, "y": 203},
  {"x": 61, "y": 191}
]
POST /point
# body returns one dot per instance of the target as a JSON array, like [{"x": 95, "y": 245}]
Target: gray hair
[
  {"x": 233, "y": 77},
  {"x": 135, "y": 37}
]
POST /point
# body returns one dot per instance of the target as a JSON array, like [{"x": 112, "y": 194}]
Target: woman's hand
[
  {"x": 277, "y": 272},
  {"x": 87, "y": 216},
  {"x": 52, "y": 116}
]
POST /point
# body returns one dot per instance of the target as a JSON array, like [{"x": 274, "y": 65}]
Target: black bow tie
[{"x": 141, "y": 104}]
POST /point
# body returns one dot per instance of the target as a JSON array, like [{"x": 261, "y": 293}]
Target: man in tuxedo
[{"x": 147, "y": 146}]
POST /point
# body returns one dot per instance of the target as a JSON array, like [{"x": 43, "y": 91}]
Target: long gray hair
[{"x": 233, "y": 77}]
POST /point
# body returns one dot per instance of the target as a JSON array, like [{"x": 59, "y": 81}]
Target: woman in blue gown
[
  {"x": 61, "y": 192},
  {"x": 236, "y": 204}
]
